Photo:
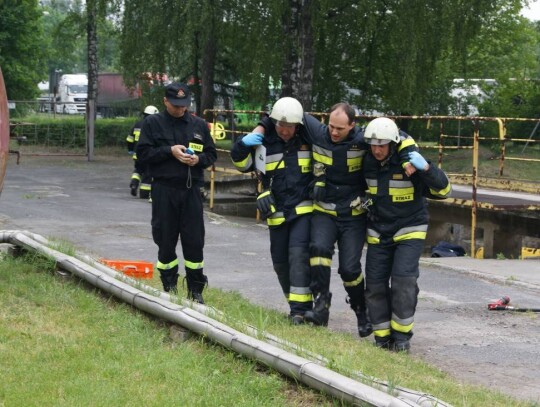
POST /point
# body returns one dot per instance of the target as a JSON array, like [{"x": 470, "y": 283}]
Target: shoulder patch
[{"x": 198, "y": 137}]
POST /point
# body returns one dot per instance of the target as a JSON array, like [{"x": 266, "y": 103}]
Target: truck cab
[{"x": 72, "y": 94}]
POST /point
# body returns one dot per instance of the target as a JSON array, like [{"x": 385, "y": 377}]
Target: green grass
[{"x": 63, "y": 343}]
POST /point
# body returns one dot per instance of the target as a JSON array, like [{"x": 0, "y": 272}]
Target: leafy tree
[{"x": 21, "y": 48}]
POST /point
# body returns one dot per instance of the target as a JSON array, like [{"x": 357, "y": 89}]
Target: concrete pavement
[{"x": 524, "y": 273}]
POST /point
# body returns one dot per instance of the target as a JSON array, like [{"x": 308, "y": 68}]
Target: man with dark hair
[{"x": 177, "y": 146}]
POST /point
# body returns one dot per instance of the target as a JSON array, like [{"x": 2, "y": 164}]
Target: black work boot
[
  {"x": 364, "y": 324},
  {"x": 403, "y": 345},
  {"x": 196, "y": 281},
  {"x": 384, "y": 342},
  {"x": 296, "y": 319},
  {"x": 133, "y": 186},
  {"x": 320, "y": 313},
  {"x": 169, "y": 279}
]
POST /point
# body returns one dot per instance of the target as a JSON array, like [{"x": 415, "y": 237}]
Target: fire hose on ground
[{"x": 270, "y": 353}]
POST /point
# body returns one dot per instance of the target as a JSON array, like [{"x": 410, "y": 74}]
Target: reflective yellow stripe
[
  {"x": 354, "y": 160},
  {"x": 137, "y": 133},
  {"x": 357, "y": 212},
  {"x": 321, "y": 184},
  {"x": 354, "y": 283},
  {"x": 273, "y": 166},
  {"x": 134, "y": 156},
  {"x": 320, "y": 261},
  {"x": 244, "y": 164},
  {"x": 136, "y": 176},
  {"x": 373, "y": 240},
  {"x": 400, "y": 191},
  {"x": 145, "y": 187},
  {"x": 130, "y": 139},
  {"x": 322, "y": 158},
  {"x": 300, "y": 297},
  {"x": 304, "y": 207},
  {"x": 263, "y": 194},
  {"x": 411, "y": 235},
  {"x": 276, "y": 219},
  {"x": 193, "y": 265},
  {"x": 443, "y": 192},
  {"x": 168, "y": 266},
  {"x": 401, "y": 328},
  {"x": 381, "y": 333},
  {"x": 406, "y": 143},
  {"x": 319, "y": 208}
]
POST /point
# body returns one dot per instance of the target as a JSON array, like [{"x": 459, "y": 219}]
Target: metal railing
[{"x": 475, "y": 139}]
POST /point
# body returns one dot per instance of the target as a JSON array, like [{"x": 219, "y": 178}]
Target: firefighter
[
  {"x": 140, "y": 179},
  {"x": 397, "y": 226},
  {"x": 338, "y": 151},
  {"x": 177, "y": 147},
  {"x": 284, "y": 202}
]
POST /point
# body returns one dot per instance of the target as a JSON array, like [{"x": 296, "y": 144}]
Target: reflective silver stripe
[
  {"x": 304, "y": 154},
  {"x": 356, "y": 153},
  {"x": 322, "y": 151},
  {"x": 273, "y": 158},
  {"x": 382, "y": 325},
  {"x": 300, "y": 290},
  {"x": 371, "y": 182},
  {"x": 399, "y": 184},
  {"x": 404, "y": 231},
  {"x": 373, "y": 233},
  {"x": 405, "y": 321},
  {"x": 326, "y": 206}
]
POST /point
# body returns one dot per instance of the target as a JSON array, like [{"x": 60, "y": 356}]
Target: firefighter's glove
[
  {"x": 418, "y": 161},
  {"x": 361, "y": 203},
  {"x": 319, "y": 191},
  {"x": 266, "y": 204},
  {"x": 252, "y": 139}
]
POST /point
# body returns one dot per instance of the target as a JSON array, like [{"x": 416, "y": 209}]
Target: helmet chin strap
[{"x": 391, "y": 151}]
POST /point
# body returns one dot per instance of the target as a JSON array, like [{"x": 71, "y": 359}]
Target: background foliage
[{"x": 387, "y": 56}]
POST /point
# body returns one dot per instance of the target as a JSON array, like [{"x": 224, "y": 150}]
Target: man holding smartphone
[{"x": 177, "y": 146}]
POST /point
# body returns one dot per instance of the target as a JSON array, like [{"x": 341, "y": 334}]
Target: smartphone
[{"x": 189, "y": 151}]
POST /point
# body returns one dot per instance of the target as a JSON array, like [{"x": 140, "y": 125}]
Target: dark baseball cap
[{"x": 178, "y": 94}]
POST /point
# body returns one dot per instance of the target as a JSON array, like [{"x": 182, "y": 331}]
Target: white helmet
[
  {"x": 150, "y": 110},
  {"x": 380, "y": 131},
  {"x": 288, "y": 110}
]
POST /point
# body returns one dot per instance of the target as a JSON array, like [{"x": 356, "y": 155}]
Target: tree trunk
[
  {"x": 297, "y": 72},
  {"x": 208, "y": 67},
  {"x": 91, "y": 28}
]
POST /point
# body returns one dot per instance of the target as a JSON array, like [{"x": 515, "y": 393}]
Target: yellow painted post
[
  {"x": 441, "y": 145},
  {"x": 502, "y": 137},
  {"x": 212, "y": 186},
  {"x": 474, "y": 186}
]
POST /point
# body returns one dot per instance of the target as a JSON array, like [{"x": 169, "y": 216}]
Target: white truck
[{"x": 72, "y": 94}]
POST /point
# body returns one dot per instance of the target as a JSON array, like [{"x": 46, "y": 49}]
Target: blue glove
[
  {"x": 252, "y": 139},
  {"x": 418, "y": 161}
]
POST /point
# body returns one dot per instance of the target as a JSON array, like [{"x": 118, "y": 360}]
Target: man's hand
[
  {"x": 409, "y": 169},
  {"x": 418, "y": 161},
  {"x": 179, "y": 152},
  {"x": 266, "y": 204},
  {"x": 252, "y": 139}
]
